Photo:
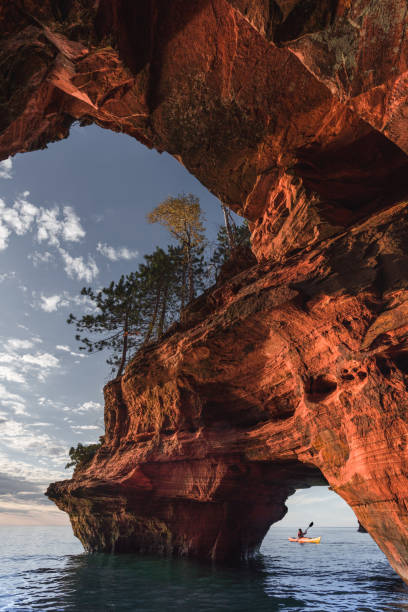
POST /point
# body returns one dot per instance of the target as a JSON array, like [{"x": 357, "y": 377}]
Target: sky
[{"x": 74, "y": 215}]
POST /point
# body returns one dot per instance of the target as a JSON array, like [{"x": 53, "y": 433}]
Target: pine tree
[
  {"x": 199, "y": 267},
  {"x": 82, "y": 454},
  {"x": 223, "y": 250},
  {"x": 117, "y": 319},
  {"x": 230, "y": 227},
  {"x": 158, "y": 278},
  {"x": 183, "y": 217}
]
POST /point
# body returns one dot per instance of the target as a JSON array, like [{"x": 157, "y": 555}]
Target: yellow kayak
[{"x": 305, "y": 540}]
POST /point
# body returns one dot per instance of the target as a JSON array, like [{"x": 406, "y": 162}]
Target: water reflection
[
  {"x": 346, "y": 573},
  {"x": 108, "y": 582}
]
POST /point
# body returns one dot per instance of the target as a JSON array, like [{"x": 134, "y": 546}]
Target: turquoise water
[{"x": 44, "y": 568}]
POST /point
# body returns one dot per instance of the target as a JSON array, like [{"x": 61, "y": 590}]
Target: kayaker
[{"x": 300, "y": 534}]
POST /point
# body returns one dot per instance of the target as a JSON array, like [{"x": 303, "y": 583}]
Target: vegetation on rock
[
  {"x": 117, "y": 318},
  {"x": 230, "y": 238},
  {"x": 183, "y": 218},
  {"x": 141, "y": 306},
  {"x": 82, "y": 454}
]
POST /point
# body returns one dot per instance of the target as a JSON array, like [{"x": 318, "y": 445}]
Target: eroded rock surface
[
  {"x": 294, "y": 113},
  {"x": 288, "y": 375}
]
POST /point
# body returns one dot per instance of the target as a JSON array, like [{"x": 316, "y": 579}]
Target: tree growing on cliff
[
  {"x": 117, "y": 320},
  {"x": 183, "y": 218},
  {"x": 158, "y": 279},
  {"x": 224, "y": 247},
  {"x": 82, "y": 454},
  {"x": 230, "y": 227}
]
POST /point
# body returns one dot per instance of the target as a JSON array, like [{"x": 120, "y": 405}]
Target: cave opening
[
  {"x": 348, "y": 194},
  {"x": 92, "y": 191},
  {"x": 317, "y": 504}
]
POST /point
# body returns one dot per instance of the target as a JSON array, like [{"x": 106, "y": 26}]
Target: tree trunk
[
  {"x": 190, "y": 275},
  {"x": 163, "y": 311},
  {"x": 230, "y": 227},
  {"x": 154, "y": 317},
  {"x": 125, "y": 345},
  {"x": 183, "y": 285}
]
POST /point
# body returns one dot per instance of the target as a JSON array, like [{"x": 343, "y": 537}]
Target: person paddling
[{"x": 301, "y": 534}]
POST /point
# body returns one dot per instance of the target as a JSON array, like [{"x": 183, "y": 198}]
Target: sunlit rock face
[
  {"x": 285, "y": 376},
  {"x": 293, "y": 372},
  {"x": 292, "y": 112}
]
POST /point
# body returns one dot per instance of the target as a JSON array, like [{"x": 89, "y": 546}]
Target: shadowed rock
[
  {"x": 288, "y": 375},
  {"x": 293, "y": 372}
]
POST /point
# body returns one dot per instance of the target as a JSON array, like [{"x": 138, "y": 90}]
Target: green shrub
[{"x": 82, "y": 454}]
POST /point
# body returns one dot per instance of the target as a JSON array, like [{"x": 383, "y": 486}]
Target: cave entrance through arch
[
  {"x": 278, "y": 499},
  {"x": 318, "y": 504},
  {"x": 231, "y": 165},
  {"x": 108, "y": 182}
]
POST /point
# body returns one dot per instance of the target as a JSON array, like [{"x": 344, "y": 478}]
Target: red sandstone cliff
[
  {"x": 294, "y": 372},
  {"x": 288, "y": 375},
  {"x": 292, "y": 112}
]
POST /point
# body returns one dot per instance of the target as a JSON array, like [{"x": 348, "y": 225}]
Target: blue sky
[{"x": 74, "y": 215}]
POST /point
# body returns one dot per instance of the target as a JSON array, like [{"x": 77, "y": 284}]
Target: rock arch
[
  {"x": 301, "y": 360},
  {"x": 281, "y": 383}
]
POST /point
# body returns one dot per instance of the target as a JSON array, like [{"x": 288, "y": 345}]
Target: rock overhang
[
  {"x": 267, "y": 121},
  {"x": 294, "y": 114}
]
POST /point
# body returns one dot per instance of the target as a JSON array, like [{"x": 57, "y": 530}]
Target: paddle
[{"x": 311, "y": 525}]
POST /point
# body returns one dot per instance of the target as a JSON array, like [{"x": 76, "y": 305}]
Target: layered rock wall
[
  {"x": 286, "y": 376},
  {"x": 280, "y": 108},
  {"x": 293, "y": 373}
]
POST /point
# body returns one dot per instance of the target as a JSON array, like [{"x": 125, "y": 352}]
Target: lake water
[{"x": 44, "y": 568}]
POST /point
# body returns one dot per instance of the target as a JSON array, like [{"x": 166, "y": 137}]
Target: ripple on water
[{"x": 345, "y": 573}]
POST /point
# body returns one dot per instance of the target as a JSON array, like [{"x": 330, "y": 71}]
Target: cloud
[
  {"x": 18, "y": 437},
  {"x": 42, "y": 360},
  {"x": 51, "y": 303},
  {"x": 12, "y": 485},
  {"x": 72, "y": 230},
  {"x": 48, "y": 226},
  {"x": 114, "y": 254},
  {"x": 85, "y": 427},
  {"x": 12, "y": 400},
  {"x": 19, "y": 469},
  {"x": 39, "y": 258},
  {"x": 51, "y": 225},
  {"x": 6, "y": 275},
  {"x": 87, "y": 407},
  {"x": 22, "y": 487},
  {"x": 63, "y": 347},
  {"x": 37, "y": 510},
  {"x": 67, "y": 349},
  {"x": 6, "y": 167},
  {"x": 17, "y": 493},
  {"x": 20, "y": 217},
  {"x": 10, "y": 374},
  {"x": 76, "y": 267},
  {"x": 15, "y": 367},
  {"x": 4, "y": 235},
  {"x": 15, "y": 344}
]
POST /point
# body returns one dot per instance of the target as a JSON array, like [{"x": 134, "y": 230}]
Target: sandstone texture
[
  {"x": 293, "y": 372},
  {"x": 293, "y": 112},
  {"x": 285, "y": 376}
]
